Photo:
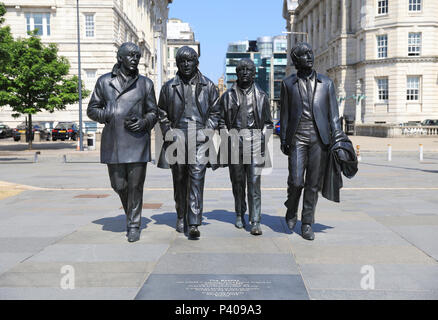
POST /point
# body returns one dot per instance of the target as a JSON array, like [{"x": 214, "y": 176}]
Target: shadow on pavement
[
  {"x": 275, "y": 223},
  {"x": 118, "y": 224},
  {"x": 168, "y": 218},
  {"x": 38, "y": 146}
]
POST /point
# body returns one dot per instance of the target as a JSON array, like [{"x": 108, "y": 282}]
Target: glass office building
[{"x": 270, "y": 57}]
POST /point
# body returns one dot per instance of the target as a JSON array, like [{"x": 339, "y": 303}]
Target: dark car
[
  {"x": 41, "y": 126},
  {"x": 430, "y": 122},
  {"x": 65, "y": 131},
  {"x": 277, "y": 128},
  {"x": 5, "y": 131}
]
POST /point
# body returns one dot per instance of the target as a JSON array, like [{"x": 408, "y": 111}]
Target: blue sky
[{"x": 218, "y": 22}]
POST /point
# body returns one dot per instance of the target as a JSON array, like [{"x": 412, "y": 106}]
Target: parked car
[
  {"x": 5, "y": 131},
  {"x": 65, "y": 131},
  {"x": 277, "y": 127},
  {"x": 43, "y": 127},
  {"x": 430, "y": 122}
]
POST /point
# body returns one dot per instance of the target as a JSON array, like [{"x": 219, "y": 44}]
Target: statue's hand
[
  {"x": 135, "y": 125},
  {"x": 285, "y": 149}
]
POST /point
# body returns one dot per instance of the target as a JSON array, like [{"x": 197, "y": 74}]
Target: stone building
[
  {"x": 104, "y": 26},
  {"x": 179, "y": 34},
  {"x": 383, "y": 51}
]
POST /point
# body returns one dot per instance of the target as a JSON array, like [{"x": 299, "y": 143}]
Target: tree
[
  {"x": 36, "y": 79},
  {"x": 6, "y": 41}
]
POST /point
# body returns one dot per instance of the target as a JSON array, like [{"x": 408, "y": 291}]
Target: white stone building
[
  {"x": 179, "y": 34},
  {"x": 386, "y": 50},
  {"x": 104, "y": 26}
]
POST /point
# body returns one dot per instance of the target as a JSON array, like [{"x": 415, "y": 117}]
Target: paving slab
[
  {"x": 101, "y": 252},
  {"x": 67, "y": 294},
  {"x": 393, "y": 277},
  {"x": 226, "y": 263}
]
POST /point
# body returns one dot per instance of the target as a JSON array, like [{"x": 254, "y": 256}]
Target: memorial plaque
[{"x": 223, "y": 287}]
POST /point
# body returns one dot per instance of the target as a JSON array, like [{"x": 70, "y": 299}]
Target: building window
[
  {"x": 382, "y": 46},
  {"x": 414, "y": 5},
  {"x": 382, "y": 7},
  {"x": 89, "y": 25},
  {"x": 90, "y": 73},
  {"x": 414, "y": 43},
  {"x": 39, "y": 21},
  {"x": 382, "y": 89},
  {"x": 413, "y": 88}
]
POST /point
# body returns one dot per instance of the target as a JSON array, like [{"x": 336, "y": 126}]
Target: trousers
[
  {"x": 188, "y": 191},
  {"x": 243, "y": 175},
  {"x": 127, "y": 180},
  {"x": 306, "y": 164}
]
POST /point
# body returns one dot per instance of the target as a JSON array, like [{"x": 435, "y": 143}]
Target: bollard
[
  {"x": 359, "y": 158},
  {"x": 64, "y": 158},
  {"x": 421, "y": 152},
  {"x": 35, "y": 159},
  {"x": 78, "y": 148},
  {"x": 389, "y": 152}
]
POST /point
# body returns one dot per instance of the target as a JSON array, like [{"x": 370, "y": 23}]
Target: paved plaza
[{"x": 62, "y": 232}]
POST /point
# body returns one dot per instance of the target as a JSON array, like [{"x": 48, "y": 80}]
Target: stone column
[
  {"x": 344, "y": 16},
  {"x": 309, "y": 29},
  {"x": 315, "y": 28},
  {"x": 321, "y": 25},
  {"x": 334, "y": 22},
  {"x": 327, "y": 20}
]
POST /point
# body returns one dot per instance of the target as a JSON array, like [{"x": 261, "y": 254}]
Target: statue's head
[
  {"x": 187, "y": 62},
  {"x": 246, "y": 71},
  {"x": 128, "y": 57},
  {"x": 302, "y": 56}
]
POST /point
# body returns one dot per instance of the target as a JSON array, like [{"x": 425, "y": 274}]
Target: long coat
[
  {"x": 110, "y": 104},
  {"x": 325, "y": 109},
  {"x": 171, "y": 107},
  {"x": 230, "y": 105}
]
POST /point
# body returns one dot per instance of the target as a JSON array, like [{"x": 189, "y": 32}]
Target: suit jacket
[
  {"x": 171, "y": 107},
  {"x": 229, "y": 105},
  {"x": 110, "y": 104},
  {"x": 325, "y": 109}
]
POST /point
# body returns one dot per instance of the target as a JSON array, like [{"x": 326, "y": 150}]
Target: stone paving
[{"x": 386, "y": 228}]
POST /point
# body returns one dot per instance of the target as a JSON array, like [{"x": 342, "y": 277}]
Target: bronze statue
[
  {"x": 125, "y": 102},
  {"x": 309, "y": 123},
  {"x": 246, "y": 109},
  {"x": 187, "y": 108}
]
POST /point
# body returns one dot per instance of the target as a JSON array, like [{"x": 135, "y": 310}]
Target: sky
[{"x": 219, "y": 22}]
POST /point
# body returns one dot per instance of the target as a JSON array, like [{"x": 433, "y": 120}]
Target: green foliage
[
  {"x": 6, "y": 42},
  {"x": 34, "y": 78}
]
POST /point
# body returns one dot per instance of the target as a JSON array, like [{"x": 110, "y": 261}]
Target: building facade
[
  {"x": 270, "y": 57},
  {"x": 381, "y": 54},
  {"x": 179, "y": 34},
  {"x": 104, "y": 26}
]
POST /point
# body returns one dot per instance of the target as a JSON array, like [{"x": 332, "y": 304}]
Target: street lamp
[{"x": 81, "y": 142}]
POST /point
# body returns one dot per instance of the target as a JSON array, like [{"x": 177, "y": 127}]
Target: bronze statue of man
[
  {"x": 125, "y": 102},
  {"x": 187, "y": 108},
  {"x": 245, "y": 110},
  {"x": 309, "y": 122}
]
